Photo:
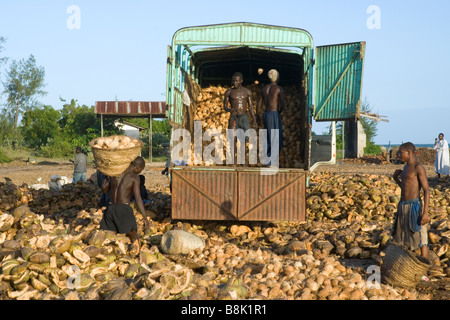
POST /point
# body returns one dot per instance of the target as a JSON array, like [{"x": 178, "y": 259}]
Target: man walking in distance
[
  {"x": 79, "y": 166},
  {"x": 119, "y": 216},
  {"x": 272, "y": 95}
]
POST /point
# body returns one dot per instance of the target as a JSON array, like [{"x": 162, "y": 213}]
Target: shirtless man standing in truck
[
  {"x": 272, "y": 95},
  {"x": 240, "y": 99},
  {"x": 119, "y": 216}
]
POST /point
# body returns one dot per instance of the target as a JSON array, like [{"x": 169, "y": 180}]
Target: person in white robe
[{"x": 441, "y": 162}]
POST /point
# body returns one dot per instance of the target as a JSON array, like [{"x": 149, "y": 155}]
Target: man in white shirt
[{"x": 441, "y": 162}]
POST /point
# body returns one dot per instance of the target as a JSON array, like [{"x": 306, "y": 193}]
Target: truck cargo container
[{"x": 327, "y": 81}]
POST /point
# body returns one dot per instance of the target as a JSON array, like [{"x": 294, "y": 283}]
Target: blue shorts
[
  {"x": 272, "y": 121},
  {"x": 77, "y": 176}
]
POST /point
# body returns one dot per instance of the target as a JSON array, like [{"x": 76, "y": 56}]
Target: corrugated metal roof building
[{"x": 132, "y": 109}]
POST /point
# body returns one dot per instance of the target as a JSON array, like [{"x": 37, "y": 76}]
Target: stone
[{"x": 180, "y": 242}]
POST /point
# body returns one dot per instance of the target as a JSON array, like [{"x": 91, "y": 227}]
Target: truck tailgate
[{"x": 237, "y": 193}]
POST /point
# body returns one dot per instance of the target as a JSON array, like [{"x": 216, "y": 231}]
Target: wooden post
[
  {"x": 150, "y": 151},
  {"x": 101, "y": 125}
]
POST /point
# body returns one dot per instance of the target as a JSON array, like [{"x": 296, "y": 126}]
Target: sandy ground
[{"x": 20, "y": 172}]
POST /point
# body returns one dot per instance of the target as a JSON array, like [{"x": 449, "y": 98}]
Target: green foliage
[
  {"x": 24, "y": 81},
  {"x": 157, "y": 140},
  {"x": 55, "y": 133},
  {"x": 80, "y": 124},
  {"x": 57, "y": 148},
  {"x": 39, "y": 125},
  {"x": 3, "y": 157},
  {"x": 372, "y": 149},
  {"x": 160, "y": 134},
  {"x": 369, "y": 125},
  {"x": 161, "y": 126},
  {"x": 2, "y": 59},
  {"x": 141, "y": 122},
  {"x": 339, "y": 137},
  {"x": 158, "y": 125},
  {"x": 8, "y": 136}
]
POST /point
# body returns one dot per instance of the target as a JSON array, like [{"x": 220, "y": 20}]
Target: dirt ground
[{"x": 20, "y": 172}]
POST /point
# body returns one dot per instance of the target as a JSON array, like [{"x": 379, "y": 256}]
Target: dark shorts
[
  {"x": 406, "y": 229},
  {"x": 239, "y": 122},
  {"x": 119, "y": 218}
]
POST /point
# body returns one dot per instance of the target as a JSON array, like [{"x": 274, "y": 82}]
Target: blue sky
[{"x": 119, "y": 51}]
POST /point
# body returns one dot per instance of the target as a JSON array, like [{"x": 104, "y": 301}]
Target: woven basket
[
  {"x": 113, "y": 162},
  {"x": 402, "y": 268}
]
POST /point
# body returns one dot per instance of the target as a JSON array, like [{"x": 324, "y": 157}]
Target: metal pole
[{"x": 101, "y": 129}]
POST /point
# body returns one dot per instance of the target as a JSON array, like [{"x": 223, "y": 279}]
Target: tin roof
[{"x": 130, "y": 108}]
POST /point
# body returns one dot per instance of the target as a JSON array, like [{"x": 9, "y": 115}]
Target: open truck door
[
  {"x": 175, "y": 89},
  {"x": 337, "y": 90}
]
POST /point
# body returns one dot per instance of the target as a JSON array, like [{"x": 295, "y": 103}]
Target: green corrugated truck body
[{"x": 328, "y": 78}]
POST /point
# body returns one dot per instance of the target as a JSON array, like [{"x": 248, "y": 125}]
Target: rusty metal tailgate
[{"x": 237, "y": 193}]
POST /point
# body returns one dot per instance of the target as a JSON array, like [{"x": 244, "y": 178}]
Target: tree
[
  {"x": 81, "y": 125},
  {"x": 8, "y": 136},
  {"x": 40, "y": 125},
  {"x": 2, "y": 59},
  {"x": 369, "y": 125},
  {"x": 24, "y": 81}
]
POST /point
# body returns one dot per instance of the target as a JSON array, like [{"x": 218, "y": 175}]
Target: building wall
[
  {"x": 361, "y": 140},
  {"x": 129, "y": 130}
]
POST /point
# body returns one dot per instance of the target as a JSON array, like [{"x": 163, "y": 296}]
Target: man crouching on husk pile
[{"x": 119, "y": 216}]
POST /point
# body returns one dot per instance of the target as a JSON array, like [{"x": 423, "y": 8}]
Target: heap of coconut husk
[
  {"x": 208, "y": 108},
  {"x": 424, "y": 155},
  {"x": 61, "y": 252}
]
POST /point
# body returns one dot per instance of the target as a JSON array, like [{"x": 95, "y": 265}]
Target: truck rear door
[
  {"x": 338, "y": 81},
  {"x": 230, "y": 193},
  {"x": 174, "y": 88}
]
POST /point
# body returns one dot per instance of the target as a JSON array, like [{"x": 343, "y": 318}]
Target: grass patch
[
  {"x": 3, "y": 157},
  {"x": 160, "y": 158}
]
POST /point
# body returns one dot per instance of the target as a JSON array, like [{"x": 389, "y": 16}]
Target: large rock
[{"x": 179, "y": 241}]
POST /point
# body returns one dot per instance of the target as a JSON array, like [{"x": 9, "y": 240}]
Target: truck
[{"x": 328, "y": 80}]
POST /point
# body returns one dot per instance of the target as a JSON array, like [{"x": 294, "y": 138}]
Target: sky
[{"x": 117, "y": 50}]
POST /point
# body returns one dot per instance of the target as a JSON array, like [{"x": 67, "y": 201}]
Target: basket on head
[
  {"x": 114, "y": 154},
  {"x": 403, "y": 268}
]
